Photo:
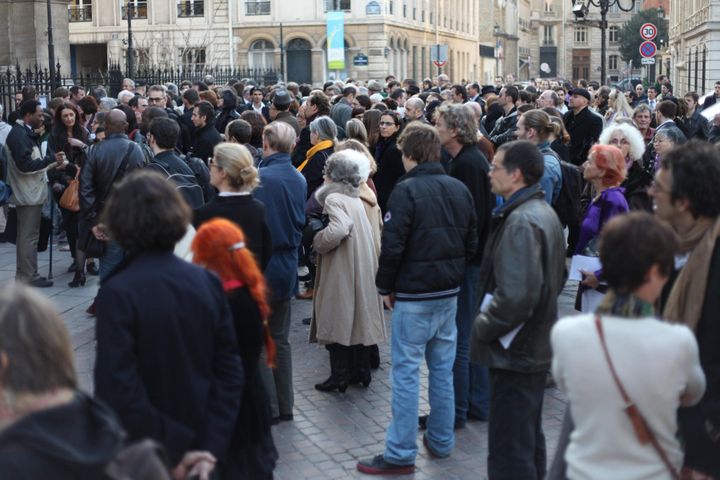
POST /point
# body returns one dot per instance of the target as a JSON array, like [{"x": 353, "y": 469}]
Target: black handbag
[{"x": 11, "y": 230}]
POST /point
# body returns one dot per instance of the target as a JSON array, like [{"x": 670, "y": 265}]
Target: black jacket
[
  {"x": 505, "y": 128},
  {"x": 471, "y": 167},
  {"x": 174, "y": 168},
  {"x": 248, "y": 214},
  {"x": 313, "y": 171},
  {"x": 584, "y": 129},
  {"x": 430, "y": 232},
  {"x": 701, "y": 453},
  {"x": 389, "y": 169},
  {"x": 697, "y": 126},
  {"x": 102, "y": 169},
  {"x": 301, "y": 147},
  {"x": 204, "y": 142},
  {"x": 167, "y": 358},
  {"x": 494, "y": 112},
  {"x": 67, "y": 442}
]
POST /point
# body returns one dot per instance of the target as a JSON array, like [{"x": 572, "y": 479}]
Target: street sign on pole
[
  {"x": 438, "y": 55},
  {"x": 648, "y": 31},
  {"x": 648, "y": 49},
  {"x": 648, "y": 61}
]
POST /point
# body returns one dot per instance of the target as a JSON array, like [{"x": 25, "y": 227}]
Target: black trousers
[{"x": 516, "y": 442}]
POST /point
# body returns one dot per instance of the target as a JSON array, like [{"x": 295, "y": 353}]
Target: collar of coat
[
  {"x": 335, "y": 187},
  {"x": 517, "y": 199}
]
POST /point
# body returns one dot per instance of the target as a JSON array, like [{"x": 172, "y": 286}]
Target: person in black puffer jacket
[{"x": 429, "y": 234}]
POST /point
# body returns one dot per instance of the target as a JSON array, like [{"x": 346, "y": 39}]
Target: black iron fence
[{"x": 12, "y": 80}]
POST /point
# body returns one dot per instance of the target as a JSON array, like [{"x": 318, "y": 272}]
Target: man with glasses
[
  {"x": 157, "y": 97},
  {"x": 685, "y": 194},
  {"x": 517, "y": 301}
]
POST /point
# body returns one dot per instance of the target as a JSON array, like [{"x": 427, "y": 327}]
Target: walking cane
[{"x": 52, "y": 228}]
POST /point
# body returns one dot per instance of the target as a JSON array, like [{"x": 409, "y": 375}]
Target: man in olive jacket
[{"x": 522, "y": 274}]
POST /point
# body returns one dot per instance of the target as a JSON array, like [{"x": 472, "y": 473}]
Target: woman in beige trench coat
[{"x": 347, "y": 310}]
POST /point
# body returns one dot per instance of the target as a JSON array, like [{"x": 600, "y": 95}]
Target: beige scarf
[{"x": 684, "y": 305}]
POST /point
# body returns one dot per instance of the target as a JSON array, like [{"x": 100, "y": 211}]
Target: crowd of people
[{"x": 454, "y": 207}]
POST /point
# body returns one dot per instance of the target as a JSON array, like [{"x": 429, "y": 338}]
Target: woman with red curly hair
[
  {"x": 605, "y": 171},
  {"x": 219, "y": 245}
]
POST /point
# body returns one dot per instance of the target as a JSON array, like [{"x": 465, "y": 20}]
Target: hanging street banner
[{"x": 336, "y": 40}]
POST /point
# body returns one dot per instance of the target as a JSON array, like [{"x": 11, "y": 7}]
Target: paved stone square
[{"x": 331, "y": 430}]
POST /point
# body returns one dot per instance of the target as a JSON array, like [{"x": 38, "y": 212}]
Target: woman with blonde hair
[
  {"x": 619, "y": 107},
  {"x": 233, "y": 173},
  {"x": 355, "y": 129},
  {"x": 220, "y": 246}
]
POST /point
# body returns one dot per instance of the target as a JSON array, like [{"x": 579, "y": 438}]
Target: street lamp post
[
  {"x": 130, "y": 53},
  {"x": 51, "y": 47},
  {"x": 580, "y": 9}
]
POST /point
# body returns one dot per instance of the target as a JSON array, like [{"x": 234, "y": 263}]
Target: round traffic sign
[
  {"x": 648, "y": 49},
  {"x": 648, "y": 31},
  {"x": 439, "y": 64}
]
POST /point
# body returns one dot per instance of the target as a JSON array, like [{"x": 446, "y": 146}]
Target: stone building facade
[
  {"x": 693, "y": 59},
  {"x": 381, "y": 36},
  {"x": 23, "y": 32}
]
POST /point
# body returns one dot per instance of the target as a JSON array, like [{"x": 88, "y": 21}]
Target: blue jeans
[
  {"x": 114, "y": 254},
  {"x": 424, "y": 328},
  {"x": 469, "y": 379}
]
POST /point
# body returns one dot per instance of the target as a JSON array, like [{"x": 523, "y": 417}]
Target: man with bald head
[
  {"x": 415, "y": 111},
  {"x": 107, "y": 162}
]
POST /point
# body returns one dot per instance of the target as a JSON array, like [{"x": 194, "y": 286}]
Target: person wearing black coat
[
  {"x": 388, "y": 158},
  {"x": 206, "y": 135},
  {"x": 228, "y": 110},
  {"x": 233, "y": 174},
  {"x": 167, "y": 356},
  {"x": 583, "y": 126}
]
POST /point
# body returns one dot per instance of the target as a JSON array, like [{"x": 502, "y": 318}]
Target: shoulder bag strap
[
  {"x": 640, "y": 427},
  {"x": 123, "y": 165}
]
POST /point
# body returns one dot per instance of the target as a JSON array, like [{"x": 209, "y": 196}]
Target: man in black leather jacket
[
  {"x": 107, "y": 163},
  {"x": 521, "y": 276}
]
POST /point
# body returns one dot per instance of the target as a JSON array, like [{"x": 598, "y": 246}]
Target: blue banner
[{"x": 336, "y": 40}]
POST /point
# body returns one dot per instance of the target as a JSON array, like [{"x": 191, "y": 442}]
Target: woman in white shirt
[{"x": 657, "y": 363}]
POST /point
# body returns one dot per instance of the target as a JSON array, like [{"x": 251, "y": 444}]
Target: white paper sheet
[
  {"x": 505, "y": 340},
  {"x": 590, "y": 300},
  {"x": 581, "y": 262}
]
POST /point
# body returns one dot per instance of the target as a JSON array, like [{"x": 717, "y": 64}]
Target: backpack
[
  {"x": 5, "y": 190},
  {"x": 567, "y": 204},
  {"x": 187, "y": 185},
  {"x": 202, "y": 175}
]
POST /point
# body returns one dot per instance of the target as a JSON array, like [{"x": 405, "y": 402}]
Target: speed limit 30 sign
[{"x": 648, "y": 31}]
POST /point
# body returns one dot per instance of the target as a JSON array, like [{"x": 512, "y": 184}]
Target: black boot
[
  {"x": 374, "y": 357},
  {"x": 361, "y": 365},
  {"x": 339, "y": 369}
]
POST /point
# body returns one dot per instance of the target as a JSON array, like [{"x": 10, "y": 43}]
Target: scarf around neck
[
  {"x": 624, "y": 305},
  {"x": 685, "y": 302},
  {"x": 322, "y": 145}
]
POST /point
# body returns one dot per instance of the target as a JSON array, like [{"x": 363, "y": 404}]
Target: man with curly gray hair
[{"x": 458, "y": 131}]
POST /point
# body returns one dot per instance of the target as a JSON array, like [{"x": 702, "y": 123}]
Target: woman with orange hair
[
  {"x": 219, "y": 245},
  {"x": 605, "y": 171}
]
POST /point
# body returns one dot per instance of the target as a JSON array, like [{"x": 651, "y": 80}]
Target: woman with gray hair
[
  {"x": 323, "y": 133},
  {"x": 630, "y": 141},
  {"x": 347, "y": 311}
]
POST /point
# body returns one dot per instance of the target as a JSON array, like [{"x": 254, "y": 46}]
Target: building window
[
  {"x": 581, "y": 35},
  {"x": 141, "y": 58},
  {"x": 414, "y": 13},
  {"x": 138, "y": 8},
  {"x": 549, "y": 6},
  {"x": 262, "y": 55},
  {"x": 191, "y": 8},
  {"x": 432, "y": 18},
  {"x": 390, "y": 7},
  {"x": 337, "y": 5},
  {"x": 404, "y": 10},
  {"x": 548, "y": 35},
  {"x": 192, "y": 58},
  {"x": 422, "y": 16},
  {"x": 254, "y": 7},
  {"x": 613, "y": 62},
  {"x": 80, "y": 11},
  {"x": 614, "y": 34}
]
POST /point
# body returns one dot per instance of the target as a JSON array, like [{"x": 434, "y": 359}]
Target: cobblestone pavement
[{"x": 331, "y": 431}]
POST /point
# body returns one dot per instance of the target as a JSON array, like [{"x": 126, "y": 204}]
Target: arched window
[{"x": 262, "y": 55}]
